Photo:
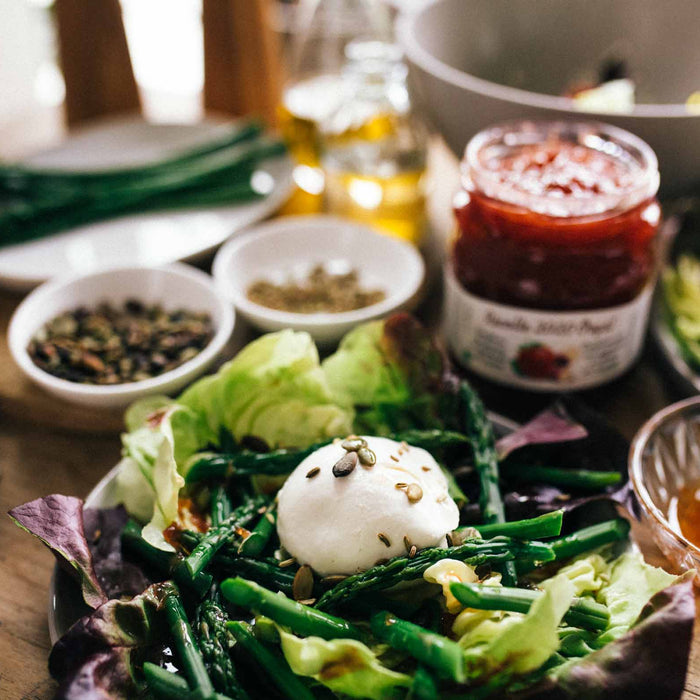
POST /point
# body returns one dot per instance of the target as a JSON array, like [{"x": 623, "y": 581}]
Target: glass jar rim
[{"x": 610, "y": 140}]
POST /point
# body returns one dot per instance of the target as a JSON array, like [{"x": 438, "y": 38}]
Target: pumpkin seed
[
  {"x": 303, "y": 584},
  {"x": 353, "y": 443},
  {"x": 345, "y": 465},
  {"x": 414, "y": 493},
  {"x": 367, "y": 457}
]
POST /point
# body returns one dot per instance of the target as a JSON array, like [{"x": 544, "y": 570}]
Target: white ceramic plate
[
  {"x": 65, "y": 602},
  {"x": 145, "y": 239}
]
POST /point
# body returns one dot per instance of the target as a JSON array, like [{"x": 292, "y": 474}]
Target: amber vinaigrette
[{"x": 688, "y": 512}]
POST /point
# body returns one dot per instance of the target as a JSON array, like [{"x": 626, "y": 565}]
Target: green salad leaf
[
  {"x": 514, "y": 645},
  {"x": 681, "y": 287},
  {"x": 273, "y": 389},
  {"x": 162, "y": 435},
  {"x": 632, "y": 584},
  {"x": 393, "y": 374},
  {"x": 344, "y": 665}
]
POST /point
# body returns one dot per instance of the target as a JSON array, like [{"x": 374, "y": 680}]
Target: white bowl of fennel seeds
[{"x": 319, "y": 274}]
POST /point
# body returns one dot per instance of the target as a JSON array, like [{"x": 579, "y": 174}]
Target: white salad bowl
[
  {"x": 174, "y": 286},
  {"x": 474, "y": 63},
  {"x": 290, "y": 247}
]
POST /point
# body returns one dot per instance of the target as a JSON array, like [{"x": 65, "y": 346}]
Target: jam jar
[{"x": 551, "y": 271}]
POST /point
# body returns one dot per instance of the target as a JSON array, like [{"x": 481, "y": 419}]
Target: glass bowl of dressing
[{"x": 664, "y": 469}]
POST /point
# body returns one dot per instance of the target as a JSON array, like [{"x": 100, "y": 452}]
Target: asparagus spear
[
  {"x": 184, "y": 641},
  {"x": 583, "y": 612},
  {"x": 254, "y": 544},
  {"x": 302, "y": 619},
  {"x": 583, "y": 479},
  {"x": 547, "y": 525},
  {"x": 480, "y": 432},
  {"x": 221, "y": 466},
  {"x": 474, "y": 552},
  {"x": 169, "y": 686},
  {"x": 214, "y": 646},
  {"x": 18, "y": 176},
  {"x": 201, "y": 555},
  {"x": 60, "y": 209},
  {"x": 266, "y": 572},
  {"x": 443, "y": 655},
  {"x": 279, "y": 462},
  {"x": 220, "y": 506},
  {"x": 274, "y": 668},
  {"x": 431, "y": 439}
]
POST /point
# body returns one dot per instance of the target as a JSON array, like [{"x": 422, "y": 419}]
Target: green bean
[
  {"x": 275, "y": 669},
  {"x": 590, "y": 538},
  {"x": 302, "y": 619},
  {"x": 186, "y": 646},
  {"x": 547, "y": 525},
  {"x": 164, "y": 564},
  {"x": 443, "y": 655},
  {"x": 255, "y": 543},
  {"x": 583, "y": 479},
  {"x": 423, "y": 686},
  {"x": 583, "y": 612},
  {"x": 169, "y": 686}
]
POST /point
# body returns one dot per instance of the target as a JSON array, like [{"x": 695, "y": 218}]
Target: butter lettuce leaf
[
  {"x": 648, "y": 661},
  {"x": 394, "y": 375},
  {"x": 633, "y": 583},
  {"x": 497, "y": 652},
  {"x": 345, "y": 666},
  {"x": 149, "y": 478},
  {"x": 274, "y": 389}
]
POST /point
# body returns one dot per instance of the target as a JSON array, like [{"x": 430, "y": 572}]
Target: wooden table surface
[{"x": 38, "y": 458}]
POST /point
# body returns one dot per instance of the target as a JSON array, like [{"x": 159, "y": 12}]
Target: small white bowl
[
  {"x": 173, "y": 286},
  {"x": 292, "y": 246}
]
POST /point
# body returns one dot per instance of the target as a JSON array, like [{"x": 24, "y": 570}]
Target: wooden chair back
[{"x": 241, "y": 59}]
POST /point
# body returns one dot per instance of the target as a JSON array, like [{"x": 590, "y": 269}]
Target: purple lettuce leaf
[
  {"x": 58, "y": 522},
  {"x": 650, "y": 661},
  {"x": 96, "y": 658},
  {"x": 552, "y": 425},
  {"x": 603, "y": 449},
  {"x": 117, "y": 577}
]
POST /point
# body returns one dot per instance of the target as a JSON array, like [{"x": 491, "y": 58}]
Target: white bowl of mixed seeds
[
  {"x": 108, "y": 338},
  {"x": 319, "y": 274}
]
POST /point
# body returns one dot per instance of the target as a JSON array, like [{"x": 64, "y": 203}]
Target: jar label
[{"x": 543, "y": 350}]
